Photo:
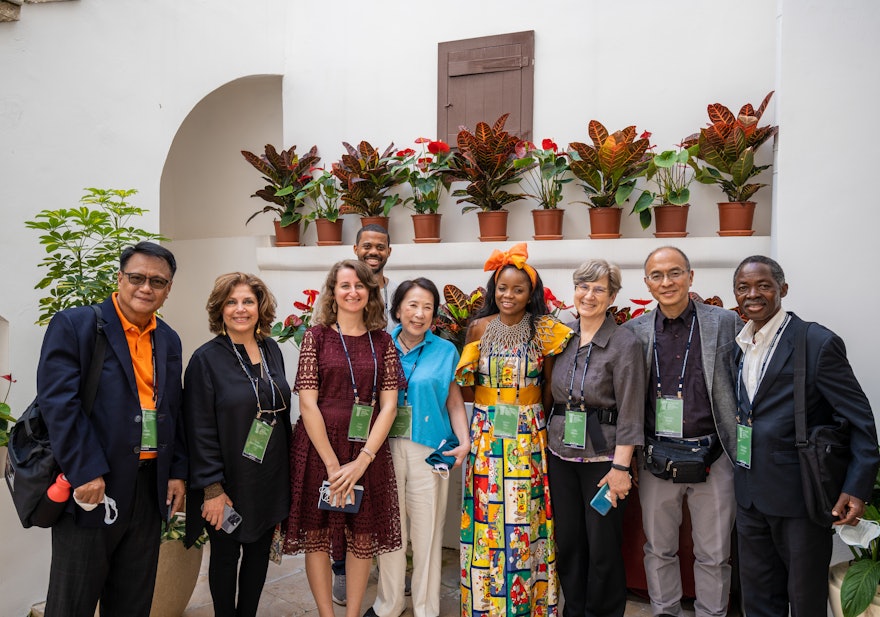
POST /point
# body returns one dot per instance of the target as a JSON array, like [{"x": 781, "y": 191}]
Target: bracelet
[
  {"x": 372, "y": 455},
  {"x": 620, "y": 467}
]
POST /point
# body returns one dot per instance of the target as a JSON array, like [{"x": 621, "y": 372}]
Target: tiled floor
[{"x": 287, "y": 592}]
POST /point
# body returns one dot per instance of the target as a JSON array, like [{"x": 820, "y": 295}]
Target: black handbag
[
  {"x": 824, "y": 454},
  {"x": 30, "y": 464},
  {"x": 680, "y": 460}
]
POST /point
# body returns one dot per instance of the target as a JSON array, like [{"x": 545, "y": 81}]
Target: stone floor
[{"x": 287, "y": 592}]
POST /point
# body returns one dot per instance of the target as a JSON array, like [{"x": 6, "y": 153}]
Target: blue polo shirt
[{"x": 429, "y": 368}]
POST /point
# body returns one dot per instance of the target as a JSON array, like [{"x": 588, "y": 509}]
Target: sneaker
[
  {"x": 407, "y": 586},
  {"x": 339, "y": 589}
]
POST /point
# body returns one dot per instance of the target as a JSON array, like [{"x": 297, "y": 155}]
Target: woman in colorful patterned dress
[
  {"x": 508, "y": 552},
  {"x": 349, "y": 370}
]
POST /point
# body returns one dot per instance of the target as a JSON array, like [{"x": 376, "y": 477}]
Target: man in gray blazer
[{"x": 689, "y": 349}]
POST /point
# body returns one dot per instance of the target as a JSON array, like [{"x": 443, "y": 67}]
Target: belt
[
  {"x": 604, "y": 415},
  {"x": 706, "y": 440}
]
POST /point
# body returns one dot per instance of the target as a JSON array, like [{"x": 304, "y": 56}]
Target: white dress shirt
[{"x": 758, "y": 348}]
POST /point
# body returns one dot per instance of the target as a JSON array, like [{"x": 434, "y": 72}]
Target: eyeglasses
[
  {"x": 672, "y": 275},
  {"x": 597, "y": 290},
  {"x": 137, "y": 279}
]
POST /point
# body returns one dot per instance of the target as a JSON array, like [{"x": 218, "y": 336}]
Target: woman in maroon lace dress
[{"x": 348, "y": 366}]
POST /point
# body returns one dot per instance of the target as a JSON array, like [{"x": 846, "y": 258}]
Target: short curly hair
[
  {"x": 374, "y": 311},
  {"x": 223, "y": 287}
]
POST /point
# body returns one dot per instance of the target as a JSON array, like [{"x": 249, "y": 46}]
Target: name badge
[
  {"x": 402, "y": 426},
  {"x": 359, "y": 425},
  {"x": 744, "y": 446},
  {"x": 575, "y": 433},
  {"x": 669, "y": 419},
  {"x": 257, "y": 440},
  {"x": 506, "y": 421},
  {"x": 149, "y": 431}
]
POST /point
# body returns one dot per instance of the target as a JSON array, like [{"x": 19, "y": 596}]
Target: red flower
[
  {"x": 549, "y": 144},
  {"x": 8, "y": 378},
  {"x": 423, "y": 140},
  {"x": 292, "y": 321},
  {"x": 301, "y": 306},
  {"x": 436, "y": 147},
  {"x": 311, "y": 294},
  {"x": 522, "y": 149},
  {"x": 640, "y": 302},
  {"x": 645, "y": 135},
  {"x": 405, "y": 153}
]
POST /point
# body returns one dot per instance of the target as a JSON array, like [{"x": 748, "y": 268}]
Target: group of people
[{"x": 568, "y": 419}]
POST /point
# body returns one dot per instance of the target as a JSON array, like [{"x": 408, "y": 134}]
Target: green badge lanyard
[
  {"x": 583, "y": 378},
  {"x": 149, "y": 428},
  {"x": 351, "y": 369},
  {"x": 255, "y": 381},
  {"x": 687, "y": 351},
  {"x": 763, "y": 370}
]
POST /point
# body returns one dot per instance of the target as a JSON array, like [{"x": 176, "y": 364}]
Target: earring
[
  {"x": 258, "y": 330},
  {"x": 223, "y": 329}
]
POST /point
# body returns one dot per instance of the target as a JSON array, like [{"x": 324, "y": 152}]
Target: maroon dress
[{"x": 323, "y": 367}]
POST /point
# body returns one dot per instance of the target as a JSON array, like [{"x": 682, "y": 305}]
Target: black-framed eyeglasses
[{"x": 137, "y": 279}]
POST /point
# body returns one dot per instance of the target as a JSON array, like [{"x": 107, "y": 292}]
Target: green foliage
[
  {"x": 322, "y": 192},
  {"x": 83, "y": 246},
  {"x": 176, "y": 530},
  {"x": 366, "y": 176},
  {"x": 486, "y": 161},
  {"x": 547, "y": 168},
  {"x": 286, "y": 173},
  {"x": 454, "y": 315},
  {"x": 862, "y": 578},
  {"x": 608, "y": 168},
  {"x": 6, "y": 422},
  {"x": 672, "y": 177}
]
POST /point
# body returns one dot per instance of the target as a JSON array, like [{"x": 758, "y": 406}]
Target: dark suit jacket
[
  {"x": 718, "y": 328},
  {"x": 108, "y": 443},
  {"x": 773, "y": 484}
]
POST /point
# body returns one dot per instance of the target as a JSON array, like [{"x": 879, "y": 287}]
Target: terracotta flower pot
[
  {"x": 604, "y": 223},
  {"x": 287, "y": 236},
  {"x": 329, "y": 232},
  {"x": 735, "y": 218},
  {"x": 374, "y": 220},
  {"x": 426, "y": 228},
  {"x": 671, "y": 221},
  {"x": 493, "y": 225},
  {"x": 548, "y": 223}
]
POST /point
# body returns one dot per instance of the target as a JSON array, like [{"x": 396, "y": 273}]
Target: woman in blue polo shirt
[{"x": 430, "y": 411}]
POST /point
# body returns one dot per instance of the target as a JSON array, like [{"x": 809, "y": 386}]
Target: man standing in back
[
  {"x": 372, "y": 246},
  {"x": 690, "y": 401}
]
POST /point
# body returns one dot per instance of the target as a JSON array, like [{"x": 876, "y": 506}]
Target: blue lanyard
[
  {"x": 687, "y": 351},
  {"x": 583, "y": 376},
  {"x": 351, "y": 369},
  {"x": 411, "y": 373},
  {"x": 254, "y": 381},
  {"x": 766, "y": 359}
]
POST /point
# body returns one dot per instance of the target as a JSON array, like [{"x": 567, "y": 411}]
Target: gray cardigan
[{"x": 615, "y": 378}]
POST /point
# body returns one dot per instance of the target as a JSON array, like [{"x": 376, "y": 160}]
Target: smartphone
[
  {"x": 231, "y": 519},
  {"x": 601, "y": 502}
]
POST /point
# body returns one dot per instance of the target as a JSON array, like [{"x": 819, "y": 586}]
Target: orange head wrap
[{"x": 516, "y": 256}]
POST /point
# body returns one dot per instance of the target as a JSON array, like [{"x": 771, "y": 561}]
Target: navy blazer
[
  {"x": 108, "y": 443},
  {"x": 773, "y": 484}
]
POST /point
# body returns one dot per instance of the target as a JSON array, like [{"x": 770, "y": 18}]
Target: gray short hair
[{"x": 594, "y": 269}]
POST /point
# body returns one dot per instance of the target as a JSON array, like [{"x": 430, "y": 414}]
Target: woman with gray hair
[{"x": 597, "y": 420}]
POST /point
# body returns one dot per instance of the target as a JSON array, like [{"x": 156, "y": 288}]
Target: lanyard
[
  {"x": 767, "y": 354},
  {"x": 499, "y": 370},
  {"x": 254, "y": 381},
  {"x": 583, "y": 377},
  {"x": 153, "y": 354},
  {"x": 357, "y": 399},
  {"x": 411, "y": 373},
  {"x": 687, "y": 351}
]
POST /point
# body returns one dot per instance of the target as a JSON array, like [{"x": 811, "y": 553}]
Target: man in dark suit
[
  {"x": 783, "y": 555},
  {"x": 688, "y": 349},
  {"x": 128, "y": 458}
]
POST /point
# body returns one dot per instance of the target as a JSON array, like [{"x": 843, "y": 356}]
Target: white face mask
[
  {"x": 111, "y": 512},
  {"x": 860, "y": 534}
]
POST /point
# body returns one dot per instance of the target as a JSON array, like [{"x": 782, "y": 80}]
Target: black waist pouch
[{"x": 680, "y": 460}]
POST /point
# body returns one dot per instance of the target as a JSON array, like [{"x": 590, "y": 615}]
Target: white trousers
[{"x": 422, "y": 498}]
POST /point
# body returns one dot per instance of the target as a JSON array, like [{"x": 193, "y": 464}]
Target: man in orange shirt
[{"x": 127, "y": 460}]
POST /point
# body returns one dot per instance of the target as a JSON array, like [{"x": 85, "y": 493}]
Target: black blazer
[
  {"x": 773, "y": 483},
  {"x": 108, "y": 443}
]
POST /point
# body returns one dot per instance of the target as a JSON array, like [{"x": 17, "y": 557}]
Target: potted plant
[
  {"x": 454, "y": 315},
  {"x": 854, "y": 585},
  {"x": 83, "y": 247},
  {"x": 672, "y": 174},
  {"x": 608, "y": 170},
  {"x": 546, "y": 177},
  {"x": 485, "y": 160},
  {"x": 177, "y": 570},
  {"x": 425, "y": 174},
  {"x": 322, "y": 192},
  {"x": 286, "y": 173},
  {"x": 727, "y": 147},
  {"x": 366, "y": 177},
  {"x": 295, "y": 325}
]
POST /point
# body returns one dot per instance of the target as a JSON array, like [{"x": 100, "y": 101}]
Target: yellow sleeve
[
  {"x": 553, "y": 335},
  {"x": 467, "y": 365}
]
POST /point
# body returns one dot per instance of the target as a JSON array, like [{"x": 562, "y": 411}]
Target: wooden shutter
[{"x": 483, "y": 78}]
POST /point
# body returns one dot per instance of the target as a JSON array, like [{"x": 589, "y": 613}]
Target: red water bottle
[{"x": 52, "y": 504}]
